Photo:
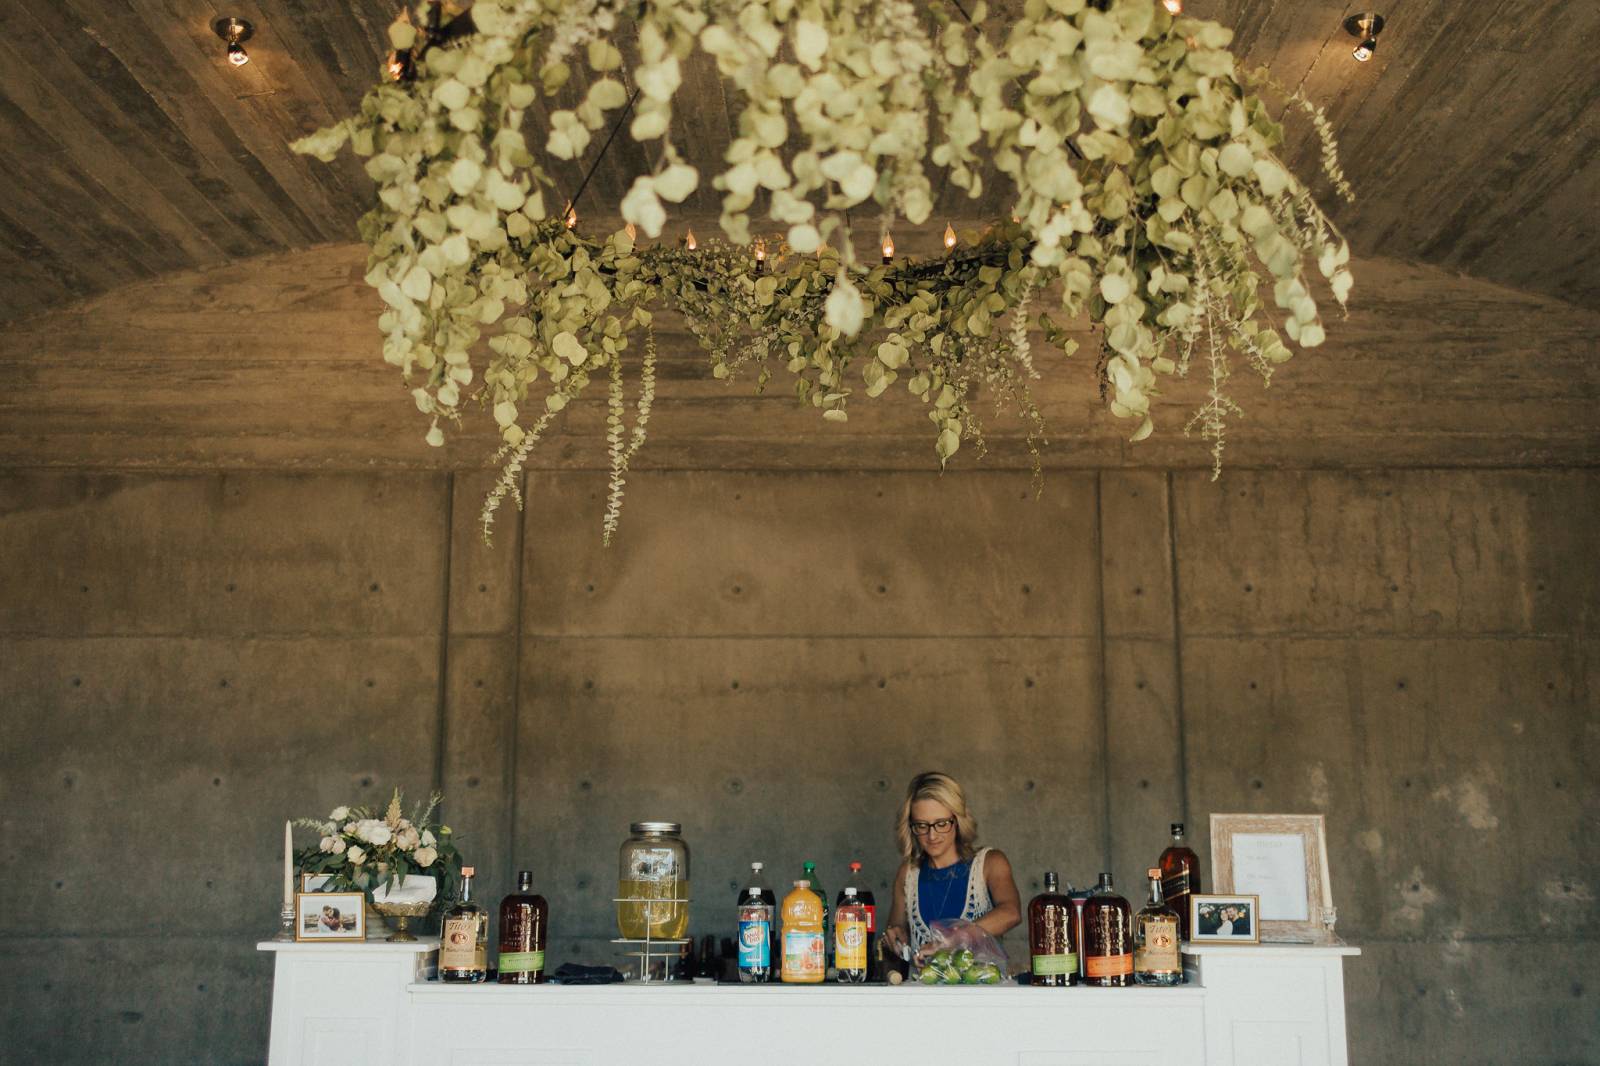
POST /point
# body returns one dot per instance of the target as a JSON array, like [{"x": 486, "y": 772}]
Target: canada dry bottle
[
  {"x": 1180, "y": 877},
  {"x": 850, "y": 938},
  {"x": 524, "y": 930},
  {"x": 1156, "y": 959},
  {"x": 757, "y": 931},
  {"x": 864, "y": 894},
  {"x": 1052, "y": 938},
  {"x": 464, "y": 940},
  {"x": 1107, "y": 938}
]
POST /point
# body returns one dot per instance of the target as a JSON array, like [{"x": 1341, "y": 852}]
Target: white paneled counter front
[{"x": 1267, "y": 1005}]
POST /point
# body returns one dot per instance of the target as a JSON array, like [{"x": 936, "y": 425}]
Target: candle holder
[{"x": 285, "y": 925}]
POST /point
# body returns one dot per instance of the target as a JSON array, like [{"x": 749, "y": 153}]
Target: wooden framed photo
[
  {"x": 329, "y": 916},
  {"x": 1225, "y": 919},
  {"x": 1281, "y": 858}
]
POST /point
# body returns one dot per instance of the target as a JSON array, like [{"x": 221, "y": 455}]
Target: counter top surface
[
  {"x": 421, "y": 945},
  {"x": 677, "y": 991}
]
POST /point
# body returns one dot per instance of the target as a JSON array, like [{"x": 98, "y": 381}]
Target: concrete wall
[{"x": 186, "y": 660}]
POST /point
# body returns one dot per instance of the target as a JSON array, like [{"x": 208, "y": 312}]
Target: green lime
[
  {"x": 963, "y": 959},
  {"x": 988, "y": 974},
  {"x": 941, "y": 957},
  {"x": 971, "y": 976},
  {"x": 929, "y": 976}
]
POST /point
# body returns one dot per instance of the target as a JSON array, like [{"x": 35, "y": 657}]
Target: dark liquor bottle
[
  {"x": 1052, "y": 938},
  {"x": 524, "y": 930},
  {"x": 464, "y": 940},
  {"x": 1180, "y": 877},
  {"x": 1107, "y": 938},
  {"x": 866, "y": 899},
  {"x": 1156, "y": 959}
]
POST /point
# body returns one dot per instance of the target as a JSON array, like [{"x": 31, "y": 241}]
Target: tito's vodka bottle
[
  {"x": 1156, "y": 960},
  {"x": 464, "y": 943},
  {"x": 1053, "y": 937}
]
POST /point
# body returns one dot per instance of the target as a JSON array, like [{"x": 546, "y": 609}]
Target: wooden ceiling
[{"x": 132, "y": 149}]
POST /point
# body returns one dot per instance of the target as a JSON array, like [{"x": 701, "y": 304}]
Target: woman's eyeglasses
[{"x": 943, "y": 825}]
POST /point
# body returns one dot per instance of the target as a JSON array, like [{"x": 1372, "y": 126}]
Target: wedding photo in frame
[
  {"x": 323, "y": 917},
  {"x": 1283, "y": 860}
]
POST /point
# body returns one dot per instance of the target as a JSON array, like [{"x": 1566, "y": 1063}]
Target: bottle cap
[
  {"x": 1050, "y": 880},
  {"x": 850, "y": 891},
  {"x": 855, "y": 867},
  {"x": 1153, "y": 872},
  {"x": 1177, "y": 829},
  {"x": 802, "y": 883},
  {"x": 757, "y": 867},
  {"x": 469, "y": 871}
]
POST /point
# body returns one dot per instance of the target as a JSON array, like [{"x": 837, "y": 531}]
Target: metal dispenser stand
[{"x": 657, "y": 956}]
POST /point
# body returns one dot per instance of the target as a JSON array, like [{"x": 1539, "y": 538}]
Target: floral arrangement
[
  {"x": 361, "y": 850},
  {"x": 1148, "y": 198}
]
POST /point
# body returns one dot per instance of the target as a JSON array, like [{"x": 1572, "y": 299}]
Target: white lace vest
[{"x": 978, "y": 902}]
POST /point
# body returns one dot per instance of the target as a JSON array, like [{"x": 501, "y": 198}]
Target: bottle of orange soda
[{"x": 804, "y": 950}]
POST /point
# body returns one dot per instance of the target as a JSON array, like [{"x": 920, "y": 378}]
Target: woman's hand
[{"x": 894, "y": 938}]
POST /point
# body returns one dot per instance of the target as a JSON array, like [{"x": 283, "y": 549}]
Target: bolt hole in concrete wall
[{"x": 1049, "y": 666}]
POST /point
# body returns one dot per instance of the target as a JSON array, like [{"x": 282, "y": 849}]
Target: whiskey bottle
[
  {"x": 1107, "y": 938},
  {"x": 524, "y": 929},
  {"x": 1052, "y": 937},
  {"x": 464, "y": 941},
  {"x": 1156, "y": 960},
  {"x": 1180, "y": 877}
]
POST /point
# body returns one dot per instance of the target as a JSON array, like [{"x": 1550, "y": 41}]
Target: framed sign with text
[{"x": 1283, "y": 859}]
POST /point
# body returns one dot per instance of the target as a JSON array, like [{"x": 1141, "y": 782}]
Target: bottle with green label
[
  {"x": 524, "y": 930},
  {"x": 1053, "y": 937}
]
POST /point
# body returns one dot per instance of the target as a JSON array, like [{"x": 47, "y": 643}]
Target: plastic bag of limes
[{"x": 958, "y": 967}]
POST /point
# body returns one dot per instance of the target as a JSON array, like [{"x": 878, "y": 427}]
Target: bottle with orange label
[
  {"x": 804, "y": 951},
  {"x": 850, "y": 938},
  {"x": 1107, "y": 938}
]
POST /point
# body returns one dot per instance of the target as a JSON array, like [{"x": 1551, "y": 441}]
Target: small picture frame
[
  {"x": 325, "y": 917},
  {"x": 1282, "y": 858},
  {"x": 314, "y": 882},
  {"x": 1225, "y": 919}
]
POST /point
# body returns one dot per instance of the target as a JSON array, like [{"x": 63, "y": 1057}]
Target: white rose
[
  {"x": 428, "y": 839},
  {"x": 357, "y": 856},
  {"x": 338, "y": 846},
  {"x": 327, "y": 844},
  {"x": 340, "y": 814},
  {"x": 407, "y": 838},
  {"x": 425, "y": 856}
]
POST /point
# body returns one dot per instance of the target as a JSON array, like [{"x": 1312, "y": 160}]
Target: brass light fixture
[
  {"x": 1365, "y": 27},
  {"x": 235, "y": 32}
]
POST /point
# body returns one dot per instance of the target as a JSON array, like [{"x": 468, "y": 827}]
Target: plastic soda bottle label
[
  {"x": 754, "y": 950},
  {"x": 850, "y": 943},
  {"x": 802, "y": 954}
]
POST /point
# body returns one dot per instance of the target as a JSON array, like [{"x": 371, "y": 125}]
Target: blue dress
[{"x": 942, "y": 894}]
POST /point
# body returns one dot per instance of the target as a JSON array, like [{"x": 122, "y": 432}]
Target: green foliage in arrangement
[
  {"x": 362, "y": 851},
  {"x": 1148, "y": 197}
]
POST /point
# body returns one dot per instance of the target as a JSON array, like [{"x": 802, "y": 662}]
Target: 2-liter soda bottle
[
  {"x": 850, "y": 938},
  {"x": 756, "y": 933}
]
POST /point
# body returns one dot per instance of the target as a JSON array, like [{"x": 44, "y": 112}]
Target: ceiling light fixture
[
  {"x": 1365, "y": 27},
  {"x": 235, "y": 32}
]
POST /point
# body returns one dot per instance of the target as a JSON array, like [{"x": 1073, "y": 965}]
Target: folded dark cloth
[{"x": 570, "y": 973}]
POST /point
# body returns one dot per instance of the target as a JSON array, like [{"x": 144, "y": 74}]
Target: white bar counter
[{"x": 1267, "y": 1005}]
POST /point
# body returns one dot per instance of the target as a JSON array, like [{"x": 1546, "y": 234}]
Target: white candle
[{"x": 288, "y": 865}]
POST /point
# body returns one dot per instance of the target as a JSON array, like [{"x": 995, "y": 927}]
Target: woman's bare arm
[{"x": 1007, "y": 913}]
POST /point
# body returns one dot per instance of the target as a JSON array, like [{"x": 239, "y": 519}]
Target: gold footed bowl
[{"x": 397, "y": 915}]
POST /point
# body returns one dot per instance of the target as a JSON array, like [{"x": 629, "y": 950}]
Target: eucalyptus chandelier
[{"x": 1147, "y": 197}]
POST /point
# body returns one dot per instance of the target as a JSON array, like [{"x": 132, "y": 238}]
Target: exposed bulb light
[
  {"x": 632, "y": 231},
  {"x": 1174, "y": 7},
  {"x": 761, "y": 256},
  {"x": 888, "y": 249},
  {"x": 1365, "y": 27},
  {"x": 235, "y": 32},
  {"x": 949, "y": 236},
  {"x": 572, "y": 217},
  {"x": 688, "y": 240}
]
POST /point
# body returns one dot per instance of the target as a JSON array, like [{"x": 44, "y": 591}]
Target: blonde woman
[{"x": 944, "y": 874}]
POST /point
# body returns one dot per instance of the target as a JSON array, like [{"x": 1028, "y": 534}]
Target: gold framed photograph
[
  {"x": 1215, "y": 919},
  {"x": 322, "y": 917},
  {"x": 1283, "y": 859}
]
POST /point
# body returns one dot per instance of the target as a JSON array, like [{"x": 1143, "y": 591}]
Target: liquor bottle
[
  {"x": 757, "y": 932},
  {"x": 864, "y": 894},
  {"x": 850, "y": 937},
  {"x": 1107, "y": 938},
  {"x": 1156, "y": 960},
  {"x": 524, "y": 929},
  {"x": 464, "y": 945},
  {"x": 710, "y": 961},
  {"x": 1180, "y": 877},
  {"x": 1052, "y": 938}
]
